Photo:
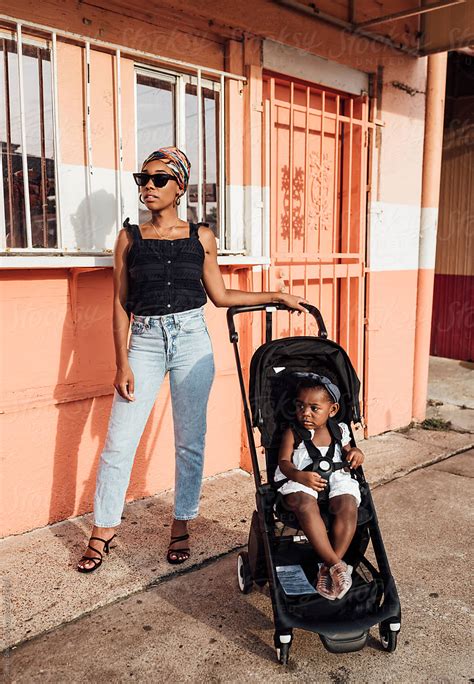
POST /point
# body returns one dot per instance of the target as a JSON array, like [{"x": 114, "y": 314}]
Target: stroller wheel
[
  {"x": 282, "y": 654},
  {"x": 244, "y": 576},
  {"x": 282, "y": 645},
  {"x": 388, "y": 638}
]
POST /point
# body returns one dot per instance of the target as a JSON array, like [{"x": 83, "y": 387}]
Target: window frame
[{"x": 45, "y": 36}]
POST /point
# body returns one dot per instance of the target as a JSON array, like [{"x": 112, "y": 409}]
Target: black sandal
[
  {"x": 177, "y": 561},
  {"x": 97, "y": 561}
]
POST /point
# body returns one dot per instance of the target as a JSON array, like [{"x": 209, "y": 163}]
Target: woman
[{"x": 158, "y": 269}]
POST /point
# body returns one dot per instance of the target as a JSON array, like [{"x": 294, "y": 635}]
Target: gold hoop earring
[{"x": 141, "y": 199}]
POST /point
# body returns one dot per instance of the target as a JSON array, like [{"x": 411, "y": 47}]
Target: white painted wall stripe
[
  {"x": 394, "y": 236},
  {"x": 429, "y": 226},
  {"x": 235, "y": 217},
  {"x": 247, "y": 219}
]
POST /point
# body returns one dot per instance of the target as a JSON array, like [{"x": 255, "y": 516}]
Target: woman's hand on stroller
[
  {"x": 293, "y": 302},
  {"x": 354, "y": 456},
  {"x": 312, "y": 480}
]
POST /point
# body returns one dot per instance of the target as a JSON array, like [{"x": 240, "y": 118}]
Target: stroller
[{"x": 278, "y": 551}]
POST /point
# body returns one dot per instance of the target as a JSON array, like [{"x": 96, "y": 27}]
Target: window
[
  {"x": 34, "y": 206},
  {"x": 169, "y": 113},
  {"x": 67, "y": 143}
]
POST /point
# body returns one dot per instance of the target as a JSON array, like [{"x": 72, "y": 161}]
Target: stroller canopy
[{"x": 272, "y": 383}]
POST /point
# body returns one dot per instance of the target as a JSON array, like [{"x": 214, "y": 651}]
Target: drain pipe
[{"x": 432, "y": 153}]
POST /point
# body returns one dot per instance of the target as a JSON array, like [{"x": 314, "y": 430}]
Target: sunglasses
[{"x": 159, "y": 179}]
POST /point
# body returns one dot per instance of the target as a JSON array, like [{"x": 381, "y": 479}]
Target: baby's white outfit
[{"x": 340, "y": 482}]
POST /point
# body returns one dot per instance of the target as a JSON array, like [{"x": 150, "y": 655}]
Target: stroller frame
[{"x": 341, "y": 629}]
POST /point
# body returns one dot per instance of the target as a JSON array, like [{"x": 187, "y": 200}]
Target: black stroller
[{"x": 278, "y": 551}]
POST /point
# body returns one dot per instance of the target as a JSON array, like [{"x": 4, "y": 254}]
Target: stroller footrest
[{"x": 346, "y": 642}]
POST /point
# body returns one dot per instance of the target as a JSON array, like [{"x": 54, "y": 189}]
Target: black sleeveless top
[{"x": 164, "y": 276}]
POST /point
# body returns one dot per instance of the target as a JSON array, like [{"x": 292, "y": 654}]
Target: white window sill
[{"x": 69, "y": 261}]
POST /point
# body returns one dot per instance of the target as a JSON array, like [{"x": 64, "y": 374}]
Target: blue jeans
[{"x": 178, "y": 343}]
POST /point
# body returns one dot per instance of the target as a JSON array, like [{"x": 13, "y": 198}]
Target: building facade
[{"x": 306, "y": 142}]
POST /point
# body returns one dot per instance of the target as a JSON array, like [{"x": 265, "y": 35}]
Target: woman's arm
[
  {"x": 124, "y": 382},
  {"x": 221, "y": 296}
]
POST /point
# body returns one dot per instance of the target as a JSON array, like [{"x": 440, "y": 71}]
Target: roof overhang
[{"x": 436, "y": 26}]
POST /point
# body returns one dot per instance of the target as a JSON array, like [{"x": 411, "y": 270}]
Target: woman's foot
[
  {"x": 86, "y": 564},
  {"x": 178, "y": 550}
]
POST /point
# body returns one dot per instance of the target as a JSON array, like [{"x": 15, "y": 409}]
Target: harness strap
[
  {"x": 301, "y": 434},
  {"x": 316, "y": 455}
]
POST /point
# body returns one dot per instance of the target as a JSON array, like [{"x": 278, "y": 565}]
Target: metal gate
[{"x": 316, "y": 168}]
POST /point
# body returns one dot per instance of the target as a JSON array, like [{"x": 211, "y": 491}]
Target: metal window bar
[
  {"x": 200, "y": 136},
  {"x": 53, "y": 33},
  {"x": 57, "y": 151},
  {"x": 118, "y": 107},
  {"x": 8, "y": 143},
  {"x": 222, "y": 175},
  {"x": 180, "y": 133},
  {"x": 349, "y": 186},
  {"x": 89, "y": 157},
  {"x": 336, "y": 174},
  {"x": 44, "y": 199},
  {"x": 305, "y": 213},
  {"x": 290, "y": 175},
  {"x": 336, "y": 214},
  {"x": 364, "y": 189},
  {"x": 267, "y": 145},
  {"x": 321, "y": 179},
  {"x": 204, "y": 154},
  {"x": 24, "y": 156}
]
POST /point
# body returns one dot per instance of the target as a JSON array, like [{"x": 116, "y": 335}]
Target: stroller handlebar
[{"x": 271, "y": 306}]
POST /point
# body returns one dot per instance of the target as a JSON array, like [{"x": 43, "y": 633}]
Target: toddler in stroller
[{"x": 300, "y": 486}]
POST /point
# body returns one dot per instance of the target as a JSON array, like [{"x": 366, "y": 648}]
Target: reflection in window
[
  {"x": 155, "y": 120},
  {"x": 39, "y": 146},
  {"x": 210, "y": 138}
]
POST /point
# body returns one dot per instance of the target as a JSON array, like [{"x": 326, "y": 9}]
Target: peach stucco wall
[{"x": 56, "y": 394}]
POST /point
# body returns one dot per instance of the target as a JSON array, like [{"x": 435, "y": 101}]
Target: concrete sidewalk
[
  {"x": 41, "y": 588},
  {"x": 197, "y": 627},
  {"x": 451, "y": 392}
]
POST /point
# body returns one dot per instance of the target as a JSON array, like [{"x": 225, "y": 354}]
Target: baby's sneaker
[
  {"x": 324, "y": 583},
  {"x": 340, "y": 574}
]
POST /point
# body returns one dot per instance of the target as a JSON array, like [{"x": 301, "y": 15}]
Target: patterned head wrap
[{"x": 177, "y": 161}]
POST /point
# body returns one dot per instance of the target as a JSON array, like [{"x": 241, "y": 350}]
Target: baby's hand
[
  {"x": 355, "y": 457},
  {"x": 312, "y": 480}
]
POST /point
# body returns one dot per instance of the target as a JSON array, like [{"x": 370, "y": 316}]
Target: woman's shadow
[{"x": 210, "y": 595}]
